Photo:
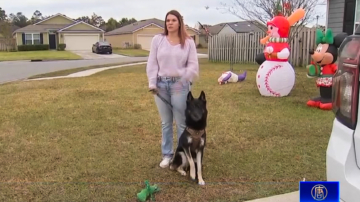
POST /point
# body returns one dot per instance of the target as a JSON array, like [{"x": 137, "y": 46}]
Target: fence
[
  {"x": 243, "y": 47},
  {"x": 7, "y": 44}
]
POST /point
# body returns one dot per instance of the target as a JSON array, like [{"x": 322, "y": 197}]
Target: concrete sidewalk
[
  {"x": 87, "y": 72},
  {"x": 289, "y": 197}
]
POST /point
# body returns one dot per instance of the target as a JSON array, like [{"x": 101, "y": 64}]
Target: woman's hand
[{"x": 154, "y": 91}]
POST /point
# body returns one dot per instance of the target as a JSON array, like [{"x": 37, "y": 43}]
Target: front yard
[
  {"x": 98, "y": 138},
  {"x": 35, "y": 55},
  {"x": 131, "y": 52}
]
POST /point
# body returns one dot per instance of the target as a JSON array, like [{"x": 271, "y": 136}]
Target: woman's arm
[
  {"x": 192, "y": 69},
  {"x": 152, "y": 66}
]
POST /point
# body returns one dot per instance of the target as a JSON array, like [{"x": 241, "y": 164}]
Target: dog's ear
[
  {"x": 189, "y": 97},
  {"x": 202, "y": 96}
]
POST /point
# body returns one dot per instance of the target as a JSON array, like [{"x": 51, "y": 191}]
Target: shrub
[
  {"x": 137, "y": 46},
  {"x": 61, "y": 47},
  {"x": 33, "y": 47}
]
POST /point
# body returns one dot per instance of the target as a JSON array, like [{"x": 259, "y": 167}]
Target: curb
[
  {"x": 88, "y": 72},
  {"x": 288, "y": 197}
]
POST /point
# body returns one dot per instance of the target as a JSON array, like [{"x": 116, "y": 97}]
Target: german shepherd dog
[{"x": 190, "y": 149}]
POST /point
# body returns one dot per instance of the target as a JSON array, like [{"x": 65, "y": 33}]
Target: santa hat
[{"x": 282, "y": 23}]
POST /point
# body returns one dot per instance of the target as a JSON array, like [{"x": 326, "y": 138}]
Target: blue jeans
[{"x": 175, "y": 92}]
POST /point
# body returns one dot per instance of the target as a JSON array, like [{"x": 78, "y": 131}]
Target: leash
[{"x": 162, "y": 98}]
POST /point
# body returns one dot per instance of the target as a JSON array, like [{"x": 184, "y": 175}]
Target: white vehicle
[{"x": 343, "y": 151}]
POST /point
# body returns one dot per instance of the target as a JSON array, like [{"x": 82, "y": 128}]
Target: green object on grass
[{"x": 148, "y": 191}]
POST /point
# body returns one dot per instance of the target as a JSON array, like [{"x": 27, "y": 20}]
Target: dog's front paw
[
  {"x": 201, "y": 182},
  {"x": 183, "y": 173}
]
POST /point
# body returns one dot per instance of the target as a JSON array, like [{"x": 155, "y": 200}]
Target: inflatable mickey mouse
[{"x": 323, "y": 66}]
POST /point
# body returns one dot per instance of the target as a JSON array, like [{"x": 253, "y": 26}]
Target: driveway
[{"x": 88, "y": 55}]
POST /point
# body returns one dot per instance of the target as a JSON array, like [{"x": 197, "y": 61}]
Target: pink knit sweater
[{"x": 170, "y": 60}]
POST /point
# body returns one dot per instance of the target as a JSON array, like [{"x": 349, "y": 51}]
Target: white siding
[{"x": 336, "y": 15}]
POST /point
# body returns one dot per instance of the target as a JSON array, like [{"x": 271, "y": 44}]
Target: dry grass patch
[{"x": 98, "y": 138}]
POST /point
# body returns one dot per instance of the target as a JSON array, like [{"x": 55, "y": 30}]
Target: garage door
[
  {"x": 145, "y": 41},
  {"x": 80, "y": 42}
]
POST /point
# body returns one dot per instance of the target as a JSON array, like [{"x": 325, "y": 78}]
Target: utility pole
[{"x": 317, "y": 20}]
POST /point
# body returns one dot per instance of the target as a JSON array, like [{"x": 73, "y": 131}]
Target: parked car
[
  {"x": 102, "y": 47},
  {"x": 343, "y": 151}
]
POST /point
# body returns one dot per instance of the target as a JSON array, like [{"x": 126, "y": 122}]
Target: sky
[{"x": 192, "y": 10}]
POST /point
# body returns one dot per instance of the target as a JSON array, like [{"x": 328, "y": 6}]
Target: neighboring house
[
  {"x": 234, "y": 28},
  {"x": 60, "y": 29},
  {"x": 228, "y": 28},
  {"x": 343, "y": 15},
  {"x": 141, "y": 32}
]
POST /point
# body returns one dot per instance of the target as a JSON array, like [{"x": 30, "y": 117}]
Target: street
[{"x": 18, "y": 70}]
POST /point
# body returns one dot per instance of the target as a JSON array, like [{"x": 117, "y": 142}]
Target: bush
[
  {"x": 199, "y": 46},
  {"x": 61, "y": 47},
  {"x": 33, "y": 47},
  {"x": 137, "y": 46}
]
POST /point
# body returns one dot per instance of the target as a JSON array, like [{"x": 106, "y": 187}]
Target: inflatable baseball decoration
[
  {"x": 276, "y": 76},
  {"x": 230, "y": 77},
  {"x": 324, "y": 67}
]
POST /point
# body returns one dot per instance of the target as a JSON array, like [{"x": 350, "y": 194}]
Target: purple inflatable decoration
[{"x": 231, "y": 77}]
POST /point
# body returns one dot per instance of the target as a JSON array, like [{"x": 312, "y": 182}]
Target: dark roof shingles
[
  {"x": 41, "y": 28},
  {"x": 128, "y": 29}
]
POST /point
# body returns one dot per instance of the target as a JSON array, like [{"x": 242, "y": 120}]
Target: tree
[
  {"x": 259, "y": 12},
  {"x": 126, "y": 21},
  {"x": 96, "y": 20},
  {"x": 112, "y": 24},
  {"x": 84, "y": 19},
  {"x": 36, "y": 17},
  {"x": 3, "y": 16},
  {"x": 19, "y": 19}
]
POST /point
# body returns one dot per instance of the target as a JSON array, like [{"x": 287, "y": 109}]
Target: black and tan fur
[{"x": 189, "y": 153}]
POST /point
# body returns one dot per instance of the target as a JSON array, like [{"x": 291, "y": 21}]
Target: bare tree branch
[{"x": 259, "y": 12}]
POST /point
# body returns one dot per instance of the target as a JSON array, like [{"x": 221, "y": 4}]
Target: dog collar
[{"x": 195, "y": 133}]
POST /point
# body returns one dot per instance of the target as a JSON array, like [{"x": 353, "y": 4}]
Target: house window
[{"x": 32, "y": 39}]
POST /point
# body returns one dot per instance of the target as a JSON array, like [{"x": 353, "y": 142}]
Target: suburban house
[
  {"x": 234, "y": 28},
  {"x": 343, "y": 15},
  {"x": 141, "y": 32},
  {"x": 229, "y": 28},
  {"x": 60, "y": 29}
]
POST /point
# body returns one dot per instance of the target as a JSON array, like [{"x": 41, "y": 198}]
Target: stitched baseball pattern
[{"x": 267, "y": 85}]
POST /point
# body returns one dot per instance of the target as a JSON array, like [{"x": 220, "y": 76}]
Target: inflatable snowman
[{"x": 276, "y": 76}]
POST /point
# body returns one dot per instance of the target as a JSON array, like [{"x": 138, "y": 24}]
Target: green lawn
[
  {"x": 43, "y": 55},
  {"x": 98, "y": 138},
  {"x": 132, "y": 52}
]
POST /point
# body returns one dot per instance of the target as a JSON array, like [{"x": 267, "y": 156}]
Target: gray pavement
[
  {"x": 288, "y": 197},
  {"x": 88, "y": 55},
  {"x": 19, "y": 70}
]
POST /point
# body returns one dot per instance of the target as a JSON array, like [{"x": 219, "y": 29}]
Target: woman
[{"x": 172, "y": 66}]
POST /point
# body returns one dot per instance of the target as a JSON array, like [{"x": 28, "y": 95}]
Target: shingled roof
[
  {"x": 128, "y": 29},
  {"x": 131, "y": 28},
  {"x": 238, "y": 27}
]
